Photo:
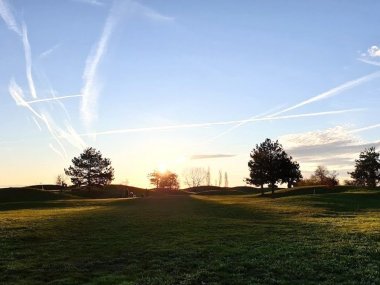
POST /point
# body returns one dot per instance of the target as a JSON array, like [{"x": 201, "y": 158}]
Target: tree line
[{"x": 269, "y": 165}]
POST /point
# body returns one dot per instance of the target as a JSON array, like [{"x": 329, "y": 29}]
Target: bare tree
[
  {"x": 60, "y": 179},
  {"x": 220, "y": 178},
  {"x": 195, "y": 177},
  {"x": 208, "y": 177},
  {"x": 225, "y": 179}
]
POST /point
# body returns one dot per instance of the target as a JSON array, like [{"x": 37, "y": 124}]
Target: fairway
[{"x": 193, "y": 239}]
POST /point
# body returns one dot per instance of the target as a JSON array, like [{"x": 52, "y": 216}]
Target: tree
[
  {"x": 195, "y": 177},
  {"x": 367, "y": 168},
  {"x": 321, "y": 176},
  {"x": 208, "y": 177},
  {"x": 220, "y": 178},
  {"x": 90, "y": 169},
  {"x": 291, "y": 172},
  {"x": 60, "y": 180},
  {"x": 270, "y": 165},
  {"x": 225, "y": 179},
  {"x": 166, "y": 180},
  {"x": 154, "y": 178}
]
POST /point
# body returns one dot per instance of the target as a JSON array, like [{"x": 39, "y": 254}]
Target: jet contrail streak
[
  {"x": 332, "y": 92},
  {"x": 376, "y": 63},
  {"x": 365, "y": 129},
  {"x": 28, "y": 61},
  {"x": 52, "y": 99},
  {"x": 202, "y": 125}
]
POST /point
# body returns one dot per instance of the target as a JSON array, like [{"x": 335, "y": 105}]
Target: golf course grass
[{"x": 193, "y": 239}]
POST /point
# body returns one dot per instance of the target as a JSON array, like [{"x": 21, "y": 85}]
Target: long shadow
[{"x": 170, "y": 236}]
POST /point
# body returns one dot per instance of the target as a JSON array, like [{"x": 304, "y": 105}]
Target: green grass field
[{"x": 193, "y": 239}]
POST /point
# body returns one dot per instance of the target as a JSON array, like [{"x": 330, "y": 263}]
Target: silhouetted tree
[
  {"x": 166, "y": 180},
  {"x": 367, "y": 168},
  {"x": 154, "y": 178},
  {"x": 195, "y": 177},
  {"x": 291, "y": 173},
  {"x": 208, "y": 177},
  {"x": 270, "y": 164},
  {"x": 321, "y": 176},
  {"x": 60, "y": 180},
  {"x": 225, "y": 179},
  {"x": 220, "y": 180},
  {"x": 90, "y": 169}
]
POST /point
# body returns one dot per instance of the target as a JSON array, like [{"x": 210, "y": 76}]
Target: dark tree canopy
[
  {"x": 166, "y": 180},
  {"x": 367, "y": 168},
  {"x": 90, "y": 169},
  {"x": 291, "y": 173},
  {"x": 270, "y": 164}
]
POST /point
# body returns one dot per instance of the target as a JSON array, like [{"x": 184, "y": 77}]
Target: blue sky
[{"x": 155, "y": 84}]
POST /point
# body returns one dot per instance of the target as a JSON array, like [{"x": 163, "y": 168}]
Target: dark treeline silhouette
[
  {"x": 164, "y": 180},
  {"x": 269, "y": 165}
]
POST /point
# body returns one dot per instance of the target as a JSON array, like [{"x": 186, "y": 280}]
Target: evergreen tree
[
  {"x": 270, "y": 165},
  {"x": 90, "y": 169},
  {"x": 367, "y": 168}
]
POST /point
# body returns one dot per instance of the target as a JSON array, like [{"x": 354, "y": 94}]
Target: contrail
[
  {"x": 18, "y": 95},
  {"x": 202, "y": 125},
  {"x": 90, "y": 91},
  {"x": 365, "y": 129},
  {"x": 53, "y": 99},
  {"x": 28, "y": 61},
  {"x": 7, "y": 16},
  {"x": 332, "y": 92},
  {"x": 70, "y": 135},
  {"x": 240, "y": 124},
  {"x": 376, "y": 63}
]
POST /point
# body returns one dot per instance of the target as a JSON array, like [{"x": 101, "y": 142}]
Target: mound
[{"x": 30, "y": 194}]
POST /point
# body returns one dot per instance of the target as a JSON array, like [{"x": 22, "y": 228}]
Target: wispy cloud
[
  {"x": 7, "y": 16},
  {"x": 9, "y": 19},
  {"x": 150, "y": 13},
  {"x": 91, "y": 2},
  {"x": 57, "y": 133},
  {"x": 211, "y": 156},
  {"x": 90, "y": 90},
  {"x": 336, "y": 148},
  {"x": 18, "y": 96},
  {"x": 28, "y": 61},
  {"x": 49, "y": 51},
  {"x": 220, "y": 123}
]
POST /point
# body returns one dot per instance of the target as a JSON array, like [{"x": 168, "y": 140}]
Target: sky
[{"x": 174, "y": 84}]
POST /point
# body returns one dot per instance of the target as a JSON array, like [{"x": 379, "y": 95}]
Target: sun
[{"x": 162, "y": 168}]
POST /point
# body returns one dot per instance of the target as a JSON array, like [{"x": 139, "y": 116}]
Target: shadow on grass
[{"x": 178, "y": 240}]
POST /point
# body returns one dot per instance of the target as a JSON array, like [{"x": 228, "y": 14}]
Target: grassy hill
[
  {"x": 193, "y": 239},
  {"x": 30, "y": 194}
]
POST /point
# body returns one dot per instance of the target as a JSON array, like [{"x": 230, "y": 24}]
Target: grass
[{"x": 193, "y": 239}]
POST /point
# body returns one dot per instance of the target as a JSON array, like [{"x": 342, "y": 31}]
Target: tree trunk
[{"x": 262, "y": 190}]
